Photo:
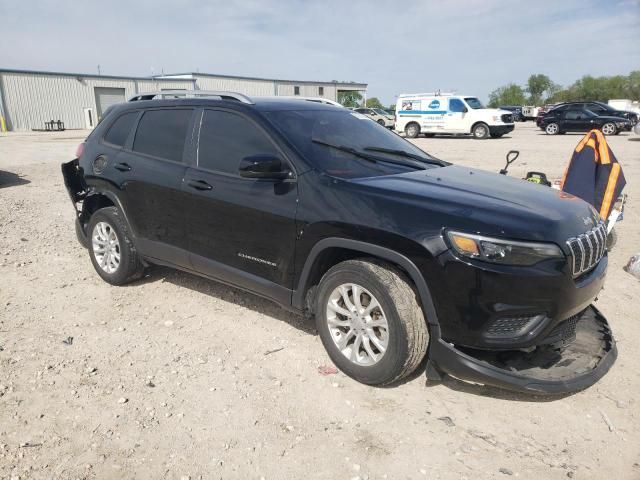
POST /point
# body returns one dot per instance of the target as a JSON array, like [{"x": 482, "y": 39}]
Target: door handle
[
  {"x": 199, "y": 185},
  {"x": 123, "y": 167}
]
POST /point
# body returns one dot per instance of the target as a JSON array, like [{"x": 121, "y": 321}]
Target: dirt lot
[{"x": 169, "y": 377}]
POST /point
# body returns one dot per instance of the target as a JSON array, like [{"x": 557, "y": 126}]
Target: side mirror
[
  {"x": 263, "y": 166},
  {"x": 465, "y": 109}
]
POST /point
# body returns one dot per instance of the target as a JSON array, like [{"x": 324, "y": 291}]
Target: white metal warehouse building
[{"x": 28, "y": 99}]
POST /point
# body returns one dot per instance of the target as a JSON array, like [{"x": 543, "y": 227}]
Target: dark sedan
[
  {"x": 560, "y": 120},
  {"x": 599, "y": 108}
]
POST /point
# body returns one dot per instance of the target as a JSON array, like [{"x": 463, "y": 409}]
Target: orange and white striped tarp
[{"x": 594, "y": 174}]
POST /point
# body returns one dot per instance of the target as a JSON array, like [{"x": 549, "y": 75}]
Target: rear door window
[
  {"x": 226, "y": 138},
  {"x": 573, "y": 114},
  {"x": 119, "y": 131},
  {"x": 162, "y": 133}
]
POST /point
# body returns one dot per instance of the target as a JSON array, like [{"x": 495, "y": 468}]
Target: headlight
[
  {"x": 504, "y": 252},
  {"x": 497, "y": 118}
]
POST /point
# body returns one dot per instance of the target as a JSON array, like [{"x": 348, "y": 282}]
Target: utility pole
[{"x": 98, "y": 69}]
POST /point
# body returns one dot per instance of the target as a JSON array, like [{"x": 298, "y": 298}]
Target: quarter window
[
  {"x": 119, "y": 131},
  {"x": 162, "y": 133},
  {"x": 226, "y": 138}
]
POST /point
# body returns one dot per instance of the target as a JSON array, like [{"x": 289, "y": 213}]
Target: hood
[
  {"x": 497, "y": 111},
  {"x": 488, "y": 203}
]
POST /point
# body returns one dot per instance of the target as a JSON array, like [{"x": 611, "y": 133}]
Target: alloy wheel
[
  {"x": 552, "y": 128},
  {"x": 609, "y": 129},
  {"x": 357, "y": 324},
  {"x": 106, "y": 247}
]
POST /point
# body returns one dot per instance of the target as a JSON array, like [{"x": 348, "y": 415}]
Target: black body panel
[{"x": 271, "y": 236}]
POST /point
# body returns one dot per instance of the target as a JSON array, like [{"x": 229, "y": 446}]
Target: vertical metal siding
[
  {"x": 246, "y": 86},
  {"x": 32, "y": 99}
]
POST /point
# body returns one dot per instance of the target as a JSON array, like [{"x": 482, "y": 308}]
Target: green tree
[
  {"x": 350, "y": 98},
  {"x": 373, "y": 102},
  {"x": 510, "y": 94},
  {"x": 539, "y": 87}
]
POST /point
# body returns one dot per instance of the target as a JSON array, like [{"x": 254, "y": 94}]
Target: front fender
[{"x": 367, "y": 249}]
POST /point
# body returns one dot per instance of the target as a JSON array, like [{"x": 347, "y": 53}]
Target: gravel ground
[{"x": 178, "y": 377}]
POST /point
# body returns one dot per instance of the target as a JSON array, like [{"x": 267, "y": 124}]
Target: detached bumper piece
[{"x": 556, "y": 368}]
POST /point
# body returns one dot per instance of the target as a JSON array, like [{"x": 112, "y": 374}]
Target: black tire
[
  {"x": 130, "y": 267},
  {"x": 412, "y": 130},
  {"x": 480, "y": 131},
  {"x": 552, "y": 129},
  {"x": 610, "y": 127},
  {"x": 408, "y": 333},
  {"x": 381, "y": 122},
  {"x": 80, "y": 235}
]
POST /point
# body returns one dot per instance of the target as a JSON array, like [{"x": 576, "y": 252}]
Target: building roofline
[
  {"x": 240, "y": 77},
  {"x": 94, "y": 75}
]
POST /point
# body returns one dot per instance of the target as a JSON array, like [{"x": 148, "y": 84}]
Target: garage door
[{"x": 105, "y": 97}]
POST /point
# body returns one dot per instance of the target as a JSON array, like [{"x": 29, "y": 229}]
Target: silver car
[{"x": 378, "y": 115}]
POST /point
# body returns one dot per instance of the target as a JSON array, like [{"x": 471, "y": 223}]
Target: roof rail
[
  {"x": 323, "y": 100},
  {"x": 437, "y": 93},
  {"x": 218, "y": 95}
]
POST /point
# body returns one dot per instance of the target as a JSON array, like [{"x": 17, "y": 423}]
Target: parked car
[
  {"x": 542, "y": 111},
  {"x": 397, "y": 254},
  {"x": 577, "y": 119},
  {"x": 515, "y": 110},
  {"x": 436, "y": 113},
  {"x": 378, "y": 115},
  {"x": 600, "y": 109}
]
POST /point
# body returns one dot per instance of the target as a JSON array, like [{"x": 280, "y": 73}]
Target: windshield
[
  {"x": 474, "y": 103},
  {"x": 313, "y": 131}
]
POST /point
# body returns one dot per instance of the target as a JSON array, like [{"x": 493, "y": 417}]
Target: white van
[{"x": 434, "y": 113}]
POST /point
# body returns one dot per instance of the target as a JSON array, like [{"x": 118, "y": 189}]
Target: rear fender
[{"x": 75, "y": 184}]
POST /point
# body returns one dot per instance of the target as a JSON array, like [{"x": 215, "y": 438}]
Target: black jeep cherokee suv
[{"x": 401, "y": 257}]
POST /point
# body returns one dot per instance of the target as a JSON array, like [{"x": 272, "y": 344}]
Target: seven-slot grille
[{"x": 587, "y": 249}]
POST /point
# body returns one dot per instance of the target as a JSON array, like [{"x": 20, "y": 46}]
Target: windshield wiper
[
  {"x": 366, "y": 156},
  {"x": 403, "y": 153}
]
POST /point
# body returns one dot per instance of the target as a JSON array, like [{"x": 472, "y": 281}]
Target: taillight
[{"x": 80, "y": 150}]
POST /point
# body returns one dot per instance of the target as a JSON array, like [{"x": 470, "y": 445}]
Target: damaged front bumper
[{"x": 548, "y": 369}]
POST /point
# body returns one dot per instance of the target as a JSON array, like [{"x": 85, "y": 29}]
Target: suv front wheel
[
  {"x": 370, "y": 321},
  {"x": 111, "y": 248}
]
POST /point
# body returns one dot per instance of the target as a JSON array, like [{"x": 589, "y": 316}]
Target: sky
[{"x": 471, "y": 46}]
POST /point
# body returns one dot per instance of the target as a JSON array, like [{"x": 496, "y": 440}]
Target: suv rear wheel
[
  {"x": 552, "y": 129},
  {"x": 370, "y": 321},
  {"x": 381, "y": 122},
  {"x": 111, "y": 249}
]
